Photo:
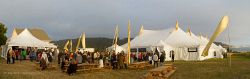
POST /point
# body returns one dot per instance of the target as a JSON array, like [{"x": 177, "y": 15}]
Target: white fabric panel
[{"x": 118, "y": 48}]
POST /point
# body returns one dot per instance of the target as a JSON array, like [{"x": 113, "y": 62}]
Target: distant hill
[
  {"x": 241, "y": 49},
  {"x": 98, "y": 43},
  {"x": 233, "y": 48},
  {"x": 222, "y": 44}
]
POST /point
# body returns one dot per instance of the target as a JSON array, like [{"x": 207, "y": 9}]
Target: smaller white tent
[
  {"x": 118, "y": 48},
  {"x": 26, "y": 39}
]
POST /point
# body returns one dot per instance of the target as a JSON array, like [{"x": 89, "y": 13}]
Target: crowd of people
[
  {"x": 107, "y": 58},
  {"x": 73, "y": 58},
  {"x": 44, "y": 57}
]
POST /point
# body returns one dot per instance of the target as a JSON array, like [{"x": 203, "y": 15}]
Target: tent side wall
[
  {"x": 184, "y": 54},
  {"x": 4, "y": 51}
]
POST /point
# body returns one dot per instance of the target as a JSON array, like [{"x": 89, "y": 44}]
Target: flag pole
[
  {"x": 116, "y": 37},
  {"x": 78, "y": 42},
  {"x": 128, "y": 42}
]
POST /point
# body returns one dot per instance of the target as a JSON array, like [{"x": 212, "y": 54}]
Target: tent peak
[
  {"x": 189, "y": 31},
  {"x": 176, "y": 25},
  {"x": 141, "y": 30}
]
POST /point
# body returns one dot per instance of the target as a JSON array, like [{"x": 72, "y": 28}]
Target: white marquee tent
[
  {"x": 25, "y": 39},
  {"x": 177, "y": 40}
]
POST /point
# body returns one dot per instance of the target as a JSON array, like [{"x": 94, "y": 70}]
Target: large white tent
[
  {"x": 187, "y": 46},
  {"x": 167, "y": 40}
]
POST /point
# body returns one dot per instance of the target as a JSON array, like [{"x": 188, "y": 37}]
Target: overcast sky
[{"x": 64, "y": 19}]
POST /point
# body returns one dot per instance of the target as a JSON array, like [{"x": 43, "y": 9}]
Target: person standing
[
  {"x": 114, "y": 61},
  {"x": 172, "y": 55},
  {"x": 89, "y": 57},
  {"x": 79, "y": 58},
  {"x": 155, "y": 58},
  {"x": 92, "y": 57},
  {"x": 9, "y": 56},
  {"x": 13, "y": 57},
  {"x": 126, "y": 61},
  {"x": 162, "y": 58},
  {"x": 72, "y": 67},
  {"x": 17, "y": 54},
  {"x": 101, "y": 60},
  {"x": 59, "y": 57},
  {"x": 45, "y": 57},
  {"x": 32, "y": 55},
  {"x": 84, "y": 57},
  {"x": 150, "y": 58},
  {"x": 50, "y": 58},
  {"x": 23, "y": 53},
  {"x": 132, "y": 57}
]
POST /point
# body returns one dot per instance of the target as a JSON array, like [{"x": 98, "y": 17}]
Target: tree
[{"x": 3, "y": 36}]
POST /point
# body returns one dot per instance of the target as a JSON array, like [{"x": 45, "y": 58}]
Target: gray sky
[{"x": 64, "y": 19}]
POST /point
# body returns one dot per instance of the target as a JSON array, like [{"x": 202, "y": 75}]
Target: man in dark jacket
[
  {"x": 162, "y": 58},
  {"x": 172, "y": 55}
]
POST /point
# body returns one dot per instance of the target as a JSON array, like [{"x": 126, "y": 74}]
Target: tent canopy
[
  {"x": 118, "y": 48},
  {"x": 25, "y": 38},
  {"x": 178, "y": 38},
  {"x": 149, "y": 38}
]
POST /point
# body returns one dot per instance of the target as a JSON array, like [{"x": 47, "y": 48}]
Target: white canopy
[
  {"x": 149, "y": 38},
  {"x": 165, "y": 46},
  {"x": 178, "y": 39},
  {"x": 169, "y": 37},
  {"x": 25, "y": 38},
  {"x": 118, "y": 48}
]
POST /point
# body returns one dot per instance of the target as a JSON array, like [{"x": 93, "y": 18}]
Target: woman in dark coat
[
  {"x": 162, "y": 58},
  {"x": 72, "y": 67}
]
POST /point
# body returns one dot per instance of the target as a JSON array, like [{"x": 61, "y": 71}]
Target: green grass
[
  {"x": 209, "y": 69},
  {"x": 214, "y": 69}
]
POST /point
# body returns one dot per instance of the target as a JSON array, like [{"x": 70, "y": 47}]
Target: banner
[{"x": 220, "y": 28}]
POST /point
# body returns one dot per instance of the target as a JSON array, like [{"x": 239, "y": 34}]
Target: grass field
[{"x": 209, "y": 69}]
